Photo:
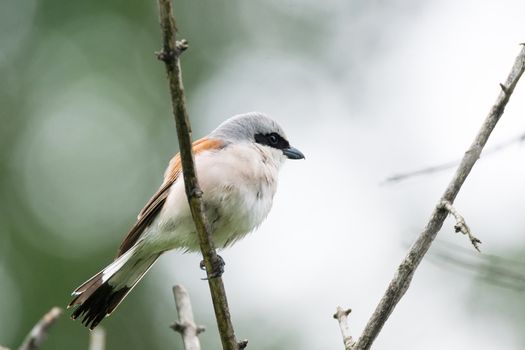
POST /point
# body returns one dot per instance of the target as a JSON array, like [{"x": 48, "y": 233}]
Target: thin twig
[
  {"x": 449, "y": 165},
  {"x": 97, "y": 339},
  {"x": 38, "y": 334},
  {"x": 186, "y": 326},
  {"x": 341, "y": 316},
  {"x": 461, "y": 224},
  {"x": 401, "y": 281},
  {"x": 170, "y": 54}
]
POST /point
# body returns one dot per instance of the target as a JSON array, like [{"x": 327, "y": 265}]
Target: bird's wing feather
[{"x": 155, "y": 204}]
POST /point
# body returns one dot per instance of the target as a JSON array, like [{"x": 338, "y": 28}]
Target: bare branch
[
  {"x": 449, "y": 165},
  {"x": 461, "y": 225},
  {"x": 170, "y": 54},
  {"x": 401, "y": 281},
  {"x": 341, "y": 316},
  {"x": 38, "y": 334},
  {"x": 186, "y": 326},
  {"x": 97, "y": 339},
  {"x": 423, "y": 171}
]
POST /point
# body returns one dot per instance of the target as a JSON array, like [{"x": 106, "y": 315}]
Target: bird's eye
[{"x": 273, "y": 139}]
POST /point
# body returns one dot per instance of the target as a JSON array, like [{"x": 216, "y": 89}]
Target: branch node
[
  {"x": 181, "y": 45},
  {"x": 179, "y": 327},
  {"x": 341, "y": 315},
  {"x": 243, "y": 344},
  {"x": 186, "y": 326},
  {"x": 196, "y": 192},
  {"x": 461, "y": 225},
  {"x": 168, "y": 55},
  {"x": 504, "y": 88},
  {"x": 344, "y": 312},
  {"x": 165, "y": 56}
]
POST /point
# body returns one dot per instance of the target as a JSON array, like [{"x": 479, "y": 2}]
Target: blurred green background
[
  {"x": 86, "y": 132},
  {"x": 365, "y": 88}
]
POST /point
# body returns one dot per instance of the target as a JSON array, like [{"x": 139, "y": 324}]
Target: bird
[{"x": 237, "y": 166}]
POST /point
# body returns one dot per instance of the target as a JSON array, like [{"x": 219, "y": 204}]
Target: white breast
[{"x": 238, "y": 184}]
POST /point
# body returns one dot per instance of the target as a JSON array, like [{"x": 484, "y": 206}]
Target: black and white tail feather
[{"x": 99, "y": 296}]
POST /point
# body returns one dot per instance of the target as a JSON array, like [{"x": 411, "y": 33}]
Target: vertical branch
[
  {"x": 341, "y": 316},
  {"x": 186, "y": 326},
  {"x": 38, "y": 334},
  {"x": 170, "y": 54},
  {"x": 405, "y": 271},
  {"x": 97, "y": 339}
]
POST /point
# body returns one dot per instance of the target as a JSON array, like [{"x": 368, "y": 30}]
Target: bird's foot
[{"x": 217, "y": 267}]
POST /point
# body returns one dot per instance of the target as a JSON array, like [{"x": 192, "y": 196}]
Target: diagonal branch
[
  {"x": 170, "y": 54},
  {"x": 38, "y": 334},
  {"x": 401, "y": 281}
]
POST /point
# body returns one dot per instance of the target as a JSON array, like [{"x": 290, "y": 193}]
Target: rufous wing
[{"x": 155, "y": 204}]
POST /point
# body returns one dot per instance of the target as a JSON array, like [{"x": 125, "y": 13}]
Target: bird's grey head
[{"x": 259, "y": 128}]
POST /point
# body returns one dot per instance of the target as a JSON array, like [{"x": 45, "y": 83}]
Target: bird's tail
[{"x": 101, "y": 294}]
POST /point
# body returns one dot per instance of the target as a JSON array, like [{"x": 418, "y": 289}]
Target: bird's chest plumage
[
  {"x": 238, "y": 185},
  {"x": 238, "y": 193}
]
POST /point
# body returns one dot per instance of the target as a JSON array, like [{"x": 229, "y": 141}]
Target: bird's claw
[{"x": 217, "y": 267}]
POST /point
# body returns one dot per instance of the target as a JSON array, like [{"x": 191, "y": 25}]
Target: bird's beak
[{"x": 293, "y": 153}]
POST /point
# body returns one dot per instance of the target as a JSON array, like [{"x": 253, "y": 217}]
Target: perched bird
[{"x": 237, "y": 167}]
